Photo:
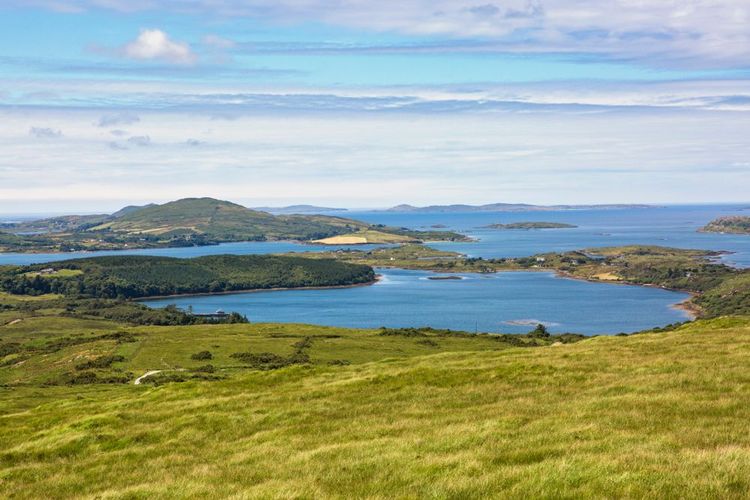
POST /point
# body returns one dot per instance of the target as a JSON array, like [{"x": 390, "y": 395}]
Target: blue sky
[{"x": 362, "y": 104}]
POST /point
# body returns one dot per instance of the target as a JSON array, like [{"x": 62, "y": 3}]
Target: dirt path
[{"x": 145, "y": 375}]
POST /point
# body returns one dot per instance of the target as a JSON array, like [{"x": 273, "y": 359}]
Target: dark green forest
[{"x": 129, "y": 277}]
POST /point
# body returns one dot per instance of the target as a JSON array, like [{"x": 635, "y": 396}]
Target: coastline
[
  {"x": 378, "y": 278},
  {"x": 689, "y": 307}
]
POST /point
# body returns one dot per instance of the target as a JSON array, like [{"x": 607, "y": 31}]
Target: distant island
[
  {"x": 299, "y": 209},
  {"x": 531, "y": 225},
  {"x": 734, "y": 224},
  {"x": 196, "y": 222},
  {"x": 507, "y": 207}
]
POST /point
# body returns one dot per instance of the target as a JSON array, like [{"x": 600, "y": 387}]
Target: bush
[
  {"x": 85, "y": 378},
  {"x": 9, "y": 348},
  {"x": 263, "y": 360},
  {"x": 100, "y": 362},
  {"x": 202, "y": 356},
  {"x": 401, "y": 332},
  {"x": 539, "y": 332}
]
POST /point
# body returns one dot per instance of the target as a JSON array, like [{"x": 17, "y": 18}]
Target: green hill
[{"x": 224, "y": 221}]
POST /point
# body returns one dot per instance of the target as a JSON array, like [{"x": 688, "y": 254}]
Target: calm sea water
[
  {"x": 674, "y": 226},
  {"x": 489, "y": 303},
  {"x": 667, "y": 226},
  {"x": 242, "y": 248},
  {"x": 511, "y": 302}
]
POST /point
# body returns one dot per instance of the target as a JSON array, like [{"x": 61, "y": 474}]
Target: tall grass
[{"x": 652, "y": 415}]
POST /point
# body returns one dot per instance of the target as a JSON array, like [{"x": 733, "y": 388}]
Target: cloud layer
[
  {"x": 707, "y": 33},
  {"x": 45, "y": 133},
  {"x": 651, "y": 155}
]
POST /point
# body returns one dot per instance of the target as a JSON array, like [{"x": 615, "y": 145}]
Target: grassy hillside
[
  {"x": 734, "y": 224},
  {"x": 146, "y": 276},
  {"x": 56, "y": 224},
  {"x": 43, "y": 347},
  {"x": 223, "y": 220},
  {"x": 650, "y": 415}
]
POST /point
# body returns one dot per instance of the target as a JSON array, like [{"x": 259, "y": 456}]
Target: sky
[{"x": 362, "y": 103}]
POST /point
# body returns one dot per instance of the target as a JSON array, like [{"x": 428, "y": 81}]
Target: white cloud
[
  {"x": 153, "y": 44},
  {"x": 140, "y": 140},
  {"x": 118, "y": 119},
  {"x": 45, "y": 133}
]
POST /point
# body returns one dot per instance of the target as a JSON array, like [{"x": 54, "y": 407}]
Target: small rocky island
[
  {"x": 531, "y": 225},
  {"x": 736, "y": 224}
]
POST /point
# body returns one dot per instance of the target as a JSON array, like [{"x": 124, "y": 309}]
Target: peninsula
[
  {"x": 734, "y": 224},
  {"x": 140, "y": 276}
]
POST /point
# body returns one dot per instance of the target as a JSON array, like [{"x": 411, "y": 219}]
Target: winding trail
[{"x": 147, "y": 374}]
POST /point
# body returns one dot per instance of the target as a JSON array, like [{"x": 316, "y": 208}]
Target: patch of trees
[{"x": 138, "y": 314}]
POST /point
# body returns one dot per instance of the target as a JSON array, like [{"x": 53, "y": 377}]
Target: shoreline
[
  {"x": 129, "y": 249},
  {"x": 377, "y": 279},
  {"x": 42, "y": 251}
]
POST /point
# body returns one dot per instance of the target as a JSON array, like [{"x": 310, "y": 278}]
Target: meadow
[{"x": 376, "y": 413}]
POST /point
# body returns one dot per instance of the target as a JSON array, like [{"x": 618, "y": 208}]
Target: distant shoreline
[{"x": 378, "y": 277}]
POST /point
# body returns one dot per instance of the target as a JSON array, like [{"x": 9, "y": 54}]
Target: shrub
[
  {"x": 100, "y": 362},
  {"x": 339, "y": 362},
  {"x": 271, "y": 361},
  {"x": 202, "y": 356},
  {"x": 401, "y": 332},
  {"x": 539, "y": 332},
  {"x": 9, "y": 348},
  {"x": 84, "y": 378}
]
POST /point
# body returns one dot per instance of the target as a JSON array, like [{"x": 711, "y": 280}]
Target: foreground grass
[
  {"x": 43, "y": 348},
  {"x": 662, "y": 415}
]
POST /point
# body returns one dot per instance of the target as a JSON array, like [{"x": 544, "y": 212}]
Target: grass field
[{"x": 657, "y": 415}]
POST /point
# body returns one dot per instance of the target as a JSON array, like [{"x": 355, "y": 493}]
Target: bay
[{"x": 512, "y": 302}]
